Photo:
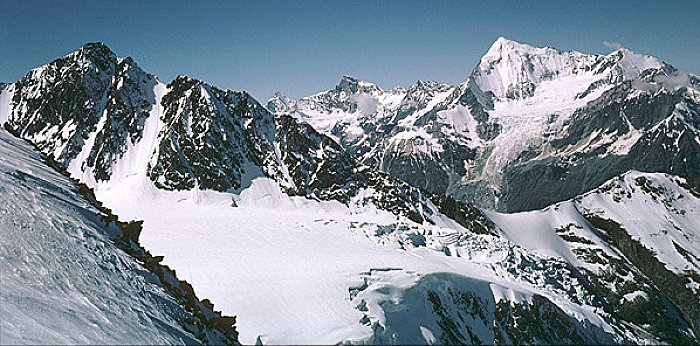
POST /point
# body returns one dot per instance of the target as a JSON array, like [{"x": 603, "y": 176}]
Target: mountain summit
[
  {"x": 522, "y": 114},
  {"x": 513, "y": 70}
]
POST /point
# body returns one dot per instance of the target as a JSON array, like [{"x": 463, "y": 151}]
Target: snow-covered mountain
[
  {"x": 278, "y": 214},
  {"x": 110, "y": 123},
  {"x": 529, "y": 127}
]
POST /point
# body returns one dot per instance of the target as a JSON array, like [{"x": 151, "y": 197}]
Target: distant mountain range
[
  {"x": 552, "y": 197},
  {"x": 529, "y": 127}
]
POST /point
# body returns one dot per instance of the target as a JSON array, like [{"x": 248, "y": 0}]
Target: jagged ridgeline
[
  {"x": 103, "y": 118},
  {"x": 528, "y": 127},
  {"x": 88, "y": 95}
]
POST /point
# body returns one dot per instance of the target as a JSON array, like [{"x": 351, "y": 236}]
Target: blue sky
[{"x": 301, "y": 47}]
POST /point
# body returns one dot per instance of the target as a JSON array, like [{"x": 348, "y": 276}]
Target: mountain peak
[
  {"x": 502, "y": 40},
  {"x": 281, "y": 97},
  {"x": 184, "y": 79},
  {"x": 503, "y": 45},
  {"x": 353, "y": 85},
  {"x": 348, "y": 79},
  {"x": 88, "y": 57},
  {"x": 279, "y": 103},
  {"x": 427, "y": 86},
  {"x": 95, "y": 45},
  {"x": 96, "y": 49}
]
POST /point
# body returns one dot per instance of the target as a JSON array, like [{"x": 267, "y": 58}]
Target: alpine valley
[{"x": 553, "y": 197}]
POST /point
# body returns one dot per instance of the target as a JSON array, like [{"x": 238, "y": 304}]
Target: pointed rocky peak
[
  {"x": 424, "y": 91},
  {"x": 96, "y": 53},
  {"x": 183, "y": 88},
  {"x": 280, "y": 103},
  {"x": 210, "y": 137},
  {"x": 84, "y": 109},
  {"x": 430, "y": 86},
  {"x": 504, "y": 49},
  {"x": 347, "y": 82},
  {"x": 352, "y": 85},
  {"x": 278, "y": 96},
  {"x": 185, "y": 81},
  {"x": 193, "y": 97},
  {"x": 344, "y": 97},
  {"x": 88, "y": 57},
  {"x": 513, "y": 70},
  {"x": 184, "y": 85},
  {"x": 504, "y": 45},
  {"x": 96, "y": 58},
  {"x": 349, "y": 79},
  {"x": 96, "y": 49}
]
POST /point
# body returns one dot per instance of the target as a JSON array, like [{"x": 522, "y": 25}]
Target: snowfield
[
  {"x": 295, "y": 270},
  {"x": 282, "y": 264}
]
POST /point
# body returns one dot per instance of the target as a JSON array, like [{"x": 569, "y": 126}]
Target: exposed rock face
[
  {"x": 667, "y": 277},
  {"x": 89, "y": 102},
  {"x": 209, "y": 137},
  {"x": 664, "y": 126}
]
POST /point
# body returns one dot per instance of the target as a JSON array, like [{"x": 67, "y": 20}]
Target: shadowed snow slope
[{"x": 635, "y": 232}]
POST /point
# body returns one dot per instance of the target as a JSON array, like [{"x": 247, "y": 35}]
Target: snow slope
[
  {"x": 283, "y": 264},
  {"x": 6, "y": 93},
  {"x": 656, "y": 225},
  {"x": 62, "y": 281},
  {"x": 639, "y": 234},
  {"x": 653, "y": 207},
  {"x": 671, "y": 232}
]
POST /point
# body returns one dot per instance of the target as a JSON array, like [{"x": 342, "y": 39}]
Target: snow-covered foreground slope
[{"x": 62, "y": 280}]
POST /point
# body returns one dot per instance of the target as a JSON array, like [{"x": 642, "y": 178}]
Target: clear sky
[{"x": 301, "y": 47}]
